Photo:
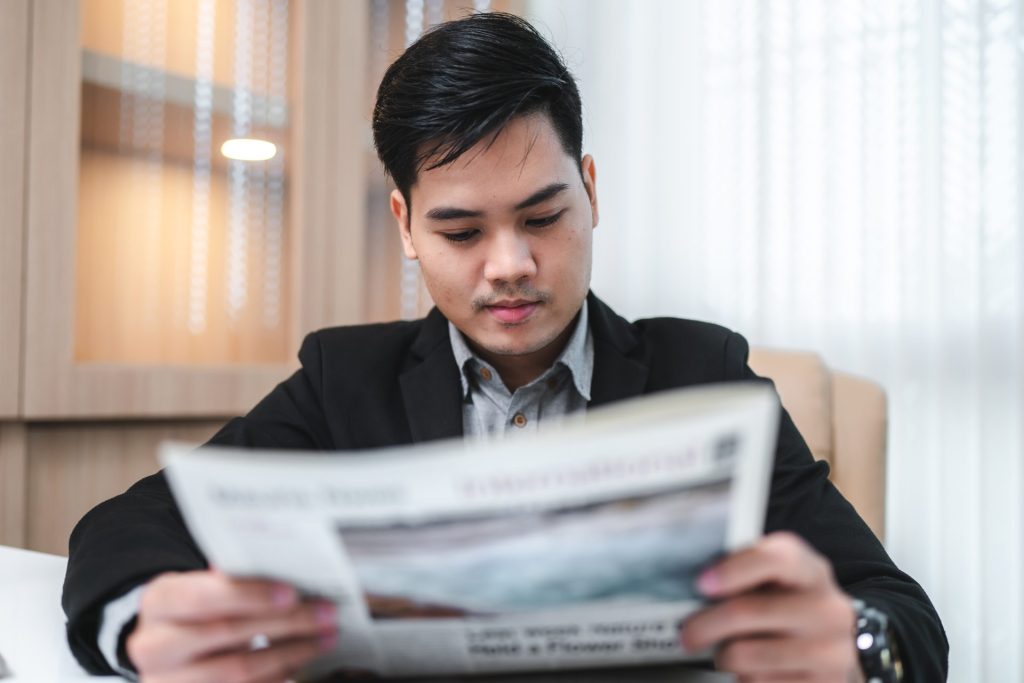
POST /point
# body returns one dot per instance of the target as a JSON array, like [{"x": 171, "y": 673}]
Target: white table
[{"x": 32, "y": 639}]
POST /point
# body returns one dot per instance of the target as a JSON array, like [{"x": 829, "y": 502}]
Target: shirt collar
[{"x": 577, "y": 356}]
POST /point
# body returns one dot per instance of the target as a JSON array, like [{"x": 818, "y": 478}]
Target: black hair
[{"x": 464, "y": 80}]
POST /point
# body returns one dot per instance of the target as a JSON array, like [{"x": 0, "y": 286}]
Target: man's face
[{"x": 504, "y": 237}]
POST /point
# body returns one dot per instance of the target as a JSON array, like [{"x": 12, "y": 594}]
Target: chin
[
  {"x": 503, "y": 346},
  {"x": 497, "y": 344}
]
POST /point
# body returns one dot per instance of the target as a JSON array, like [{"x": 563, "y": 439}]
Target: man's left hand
[{"x": 780, "y": 615}]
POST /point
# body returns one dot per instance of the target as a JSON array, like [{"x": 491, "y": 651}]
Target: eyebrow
[{"x": 447, "y": 213}]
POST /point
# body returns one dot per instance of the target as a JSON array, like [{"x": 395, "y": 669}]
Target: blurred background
[{"x": 189, "y": 186}]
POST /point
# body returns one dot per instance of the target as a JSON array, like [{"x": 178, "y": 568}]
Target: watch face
[
  {"x": 876, "y": 646},
  {"x": 865, "y": 641}
]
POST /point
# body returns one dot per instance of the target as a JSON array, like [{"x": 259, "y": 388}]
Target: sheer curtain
[{"x": 842, "y": 176}]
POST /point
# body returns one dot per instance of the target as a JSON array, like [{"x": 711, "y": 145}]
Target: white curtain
[{"x": 843, "y": 176}]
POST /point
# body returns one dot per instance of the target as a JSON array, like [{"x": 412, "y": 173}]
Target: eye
[
  {"x": 459, "y": 237},
  {"x": 546, "y": 221}
]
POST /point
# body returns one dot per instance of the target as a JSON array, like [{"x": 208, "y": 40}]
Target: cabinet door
[
  {"x": 163, "y": 277},
  {"x": 14, "y": 25}
]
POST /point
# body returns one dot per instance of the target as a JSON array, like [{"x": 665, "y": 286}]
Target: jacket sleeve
[
  {"x": 803, "y": 500},
  {"x": 131, "y": 538}
]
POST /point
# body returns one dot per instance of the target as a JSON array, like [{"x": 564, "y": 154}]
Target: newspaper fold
[{"x": 574, "y": 547}]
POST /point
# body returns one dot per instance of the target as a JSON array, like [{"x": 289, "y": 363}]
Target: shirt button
[
  {"x": 519, "y": 420},
  {"x": 486, "y": 374}
]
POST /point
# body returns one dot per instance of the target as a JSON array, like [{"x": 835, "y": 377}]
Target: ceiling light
[{"x": 248, "y": 149}]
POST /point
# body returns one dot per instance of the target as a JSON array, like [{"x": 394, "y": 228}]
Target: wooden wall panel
[
  {"x": 52, "y": 198},
  {"x": 14, "y": 31},
  {"x": 13, "y": 474},
  {"x": 330, "y": 141},
  {"x": 72, "y": 467}
]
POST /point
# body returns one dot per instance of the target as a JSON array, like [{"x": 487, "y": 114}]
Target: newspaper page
[{"x": 574, "y": 547}]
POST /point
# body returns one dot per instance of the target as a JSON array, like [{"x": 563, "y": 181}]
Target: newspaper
[{"x": 574, "y": 547}]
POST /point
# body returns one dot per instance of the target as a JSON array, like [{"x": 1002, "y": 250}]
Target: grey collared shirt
[{"x": 490, "y": 410}]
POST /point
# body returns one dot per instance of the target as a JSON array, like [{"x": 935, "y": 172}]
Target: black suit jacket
[{"x": 396, "y": 383}]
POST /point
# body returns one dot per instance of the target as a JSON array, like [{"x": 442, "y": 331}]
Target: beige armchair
[{"x": 842, "y": 418}]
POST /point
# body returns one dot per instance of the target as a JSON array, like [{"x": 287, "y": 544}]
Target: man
[{"x": 479, "y": 125}]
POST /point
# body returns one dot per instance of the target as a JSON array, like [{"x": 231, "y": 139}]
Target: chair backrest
[{"x": 843, "y": 419}]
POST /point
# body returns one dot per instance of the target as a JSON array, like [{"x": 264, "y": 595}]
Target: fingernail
[
  {"x": 709, "y": 582},
  {"x": 284, "y": 595},
  {"x": 328, "y": 642},
  {"x": 326, "y": 614}
]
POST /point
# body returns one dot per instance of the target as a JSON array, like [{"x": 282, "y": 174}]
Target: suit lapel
[
  {"x": 620, "y": 363},
  {"x": 431, "y": 388}
]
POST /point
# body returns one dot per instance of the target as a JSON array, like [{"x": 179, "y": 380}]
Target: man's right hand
[{"x": 200, "y": 626}]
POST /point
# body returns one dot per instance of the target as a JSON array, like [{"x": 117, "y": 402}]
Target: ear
[
  {"x": 401, "y": 213},
  {"x": 590, "y": 184}
]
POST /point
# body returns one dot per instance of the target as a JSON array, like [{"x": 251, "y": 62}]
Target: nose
[{"x": 510, "y": 259}]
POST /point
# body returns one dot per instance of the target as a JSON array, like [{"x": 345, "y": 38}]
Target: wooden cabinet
[
  {"x": 96, "y": 365},
  {"x": 114, "y": 271}
]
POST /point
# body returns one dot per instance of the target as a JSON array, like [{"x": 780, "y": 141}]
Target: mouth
[{"x": 512, "y": 311}]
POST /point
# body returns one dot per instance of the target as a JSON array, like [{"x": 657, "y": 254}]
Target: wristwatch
[{"x": 876, "y": 645}]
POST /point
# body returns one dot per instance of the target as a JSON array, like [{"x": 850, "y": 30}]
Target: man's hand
[
  {"x": 202, "y": 626},
  {"x": 781, "y": 616}
]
